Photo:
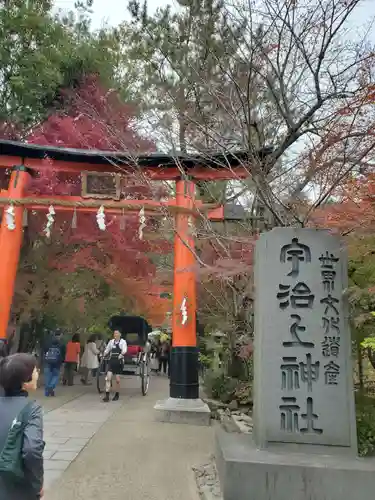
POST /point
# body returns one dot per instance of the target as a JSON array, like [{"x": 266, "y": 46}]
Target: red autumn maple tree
[
  {"x": 92, "y": 117},
  {"x": 95, "y": 118},
  {"x": 353, "y": 210},
  {"x": 342, "y": 166}
]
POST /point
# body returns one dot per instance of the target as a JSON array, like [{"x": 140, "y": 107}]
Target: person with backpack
[
  {"x": 21, "y": 430},
  {"x": 53, "y": 359}
]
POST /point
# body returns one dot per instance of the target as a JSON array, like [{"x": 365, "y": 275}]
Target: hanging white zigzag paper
[
  {"x": 183, "y": 310},
  {"x": 142, "y": 223},
  {"x": 50, "y": 221},
  {"x": 10, "y": 218},
  {"x": 100, "y": 218}
]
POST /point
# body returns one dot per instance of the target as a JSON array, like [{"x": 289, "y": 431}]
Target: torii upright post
[
  {"x": 10, "y": 245},
  {"x": 184, "y": 405},
  {"x": 184, "y": 356}
]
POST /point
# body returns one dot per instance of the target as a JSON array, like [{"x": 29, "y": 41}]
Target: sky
[
  {"x": 111, "y": 11},
  {"x": 114, "y": 11}
]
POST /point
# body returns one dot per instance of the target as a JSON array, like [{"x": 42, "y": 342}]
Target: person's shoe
[
  {"x": 52, "y": 393},
  {"x": 106, "y": 398},
  {"x": 116, "y": 397}
]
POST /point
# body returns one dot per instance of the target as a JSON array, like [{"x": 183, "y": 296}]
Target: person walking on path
[
  {"x": 18, "y": 375},
  {"x": 90, "y": 361},
  {"x": 53, "y": 358},
  {"x": 73, "y": 351},
  {"x": 164, "y": 357},
  {"x": 116, "y": 350}
]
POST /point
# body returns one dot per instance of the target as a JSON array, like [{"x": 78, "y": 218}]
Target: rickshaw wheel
[
  {"x": 145, "y": 374},
  {"x": 100, "y": 376}
]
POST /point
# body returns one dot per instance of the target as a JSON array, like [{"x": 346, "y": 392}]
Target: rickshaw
[{"x": 134, "y": 330}]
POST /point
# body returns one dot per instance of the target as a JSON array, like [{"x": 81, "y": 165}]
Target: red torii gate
[{"x": 25, "y": 159}]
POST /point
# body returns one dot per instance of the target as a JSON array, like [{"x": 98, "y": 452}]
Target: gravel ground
[{"x": 208, "y": 482}]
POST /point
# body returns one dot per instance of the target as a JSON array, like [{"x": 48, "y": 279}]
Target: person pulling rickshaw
[
  {"x": 128, "y": 355},
  {"x": 115, "y": 351}
]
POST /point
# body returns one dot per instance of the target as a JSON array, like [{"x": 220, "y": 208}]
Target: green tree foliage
[
  {"x": 41, "y": 53},
  {"x": 361, "y": 294},
  {"x": 362, "y": 285},
  {"x": 186, "y": 54}
]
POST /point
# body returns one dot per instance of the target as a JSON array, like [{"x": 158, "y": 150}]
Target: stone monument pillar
[
  {"x": 303, "y": 361},
  {"x": 304, "y": 445}
]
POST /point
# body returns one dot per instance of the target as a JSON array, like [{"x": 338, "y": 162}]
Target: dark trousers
[
  {"x": 163, "y": 363},
  {"x": 69, "y": 369}
]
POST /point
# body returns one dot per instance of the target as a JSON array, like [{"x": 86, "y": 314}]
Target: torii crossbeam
[{"x": 26, "y": 159}]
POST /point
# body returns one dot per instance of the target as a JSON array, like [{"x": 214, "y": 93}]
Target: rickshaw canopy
[{"x": 134, "y": 329}]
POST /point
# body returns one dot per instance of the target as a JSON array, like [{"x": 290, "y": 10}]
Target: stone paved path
[
  {"x": 118, "y": 451},
  {"x": 68, "y": 430}
]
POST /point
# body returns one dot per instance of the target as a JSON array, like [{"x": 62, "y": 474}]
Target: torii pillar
[
  {"x": 184, "y": 405},
  {"x": 10, "y": 246}
]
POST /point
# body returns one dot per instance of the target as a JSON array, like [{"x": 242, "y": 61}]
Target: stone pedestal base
[
  {"x": 183, "y": 411},
  {"x": 250, "y": 474}
]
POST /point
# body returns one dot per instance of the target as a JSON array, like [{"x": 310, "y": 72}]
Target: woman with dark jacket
[{"x": 18, "y": 375}]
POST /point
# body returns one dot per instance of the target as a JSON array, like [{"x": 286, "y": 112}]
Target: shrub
[
  {"x": 365, "y": 411},
  {"x": 205, "y": 360},
  {"x": 220, "y": 386},
  {"x": 244, "y": 393}
]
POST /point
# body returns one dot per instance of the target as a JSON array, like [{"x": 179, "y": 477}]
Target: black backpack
[{"x": 53, "y": 355}]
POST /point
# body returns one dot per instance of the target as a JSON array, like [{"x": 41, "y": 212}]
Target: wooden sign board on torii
[{"x": 25, "y": 159}]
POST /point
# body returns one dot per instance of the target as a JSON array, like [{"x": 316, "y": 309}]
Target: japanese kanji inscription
[{"x": 303, "y": 390}]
